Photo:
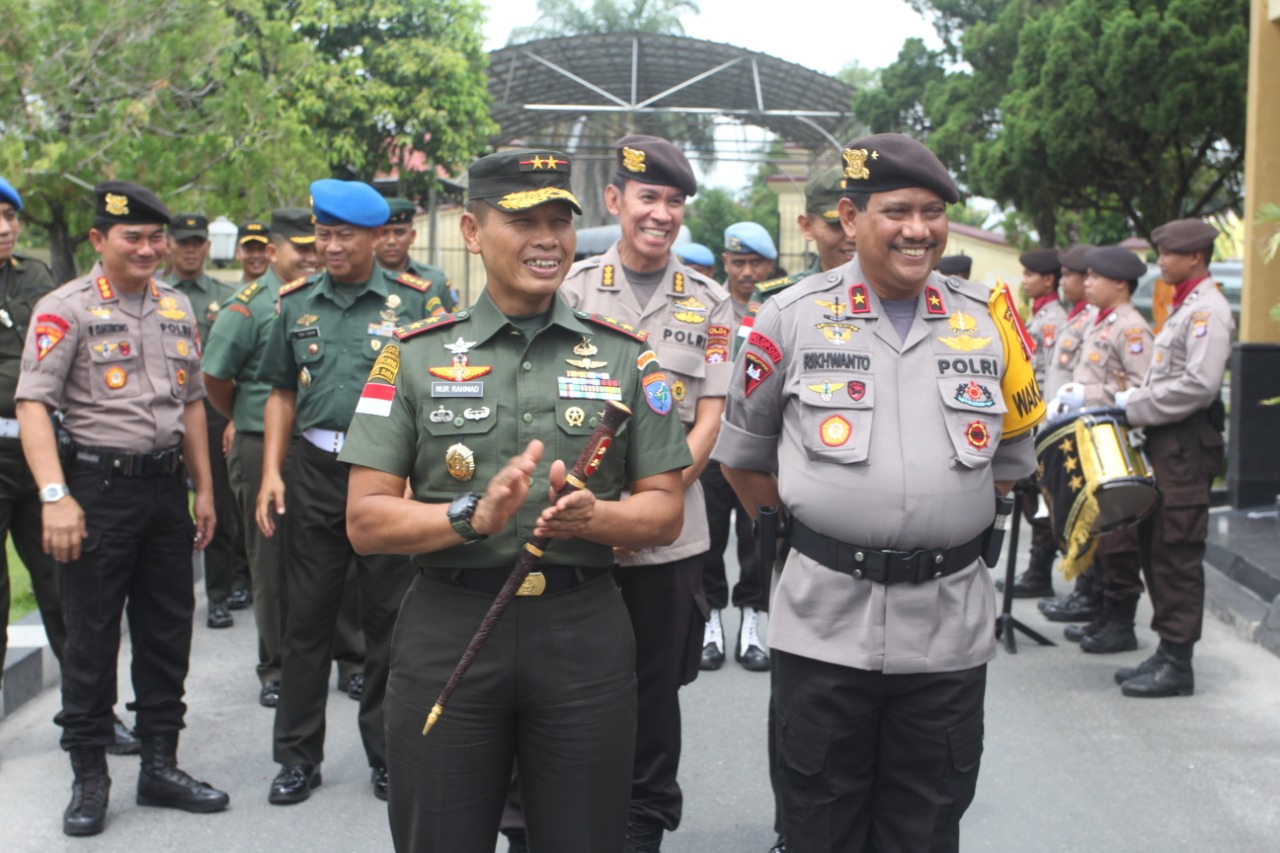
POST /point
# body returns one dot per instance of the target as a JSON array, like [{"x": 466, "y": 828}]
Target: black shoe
[
  {"x": 1076, "y": 607},
  {"x": 712, "y": 643},
  {"x": 643, "y": 835},
  {"x": 352, "y": 685},
  {"x": 162, "y": 783},
  {"x": 1129, "y": 672},
  {"x": 779, "y": 846},
  {"x": 1030, "y": 584},
  {"x": 126, "y": 742},
  {"x": 240, "y": 599},
  {"x": 293, "y": 783},
  {"x": 750, "y": 651},
  {"x": 269, "y": 696},
  {"x": 516, "y": 842},
  {"x": 219, "y": 615},
  {"x": 712, "y": 657},
  {"x": 379, "y": 779},
  {"x": 1113, "y": 638},
  {"x": 86, "y": 814},
  {"x": 1170, "y": 675}
]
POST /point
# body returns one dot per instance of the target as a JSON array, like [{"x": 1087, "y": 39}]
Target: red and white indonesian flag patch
[{"x": 376, "y": 399}]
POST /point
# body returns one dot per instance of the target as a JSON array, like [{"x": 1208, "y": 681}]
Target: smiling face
[
  {"x": 252, "y": 256},
  {"x": 526, "y": 253},
  {"x": 901, "y": 235},
  {"x": 292, "y": 260},
  {"x": 650, "y": 216},
  {"x": 188, "y": 256},
  {"x": 833, "y": 245},
  {"x": 346, "y": 251},
  {"x": 130, "y": 253}
]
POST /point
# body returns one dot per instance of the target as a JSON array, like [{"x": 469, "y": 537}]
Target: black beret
[
  {"x": 402, "y": 211},
  {"x": 520, "y": 180},
  {"x": 1073, "y": 258},
  {"x": 653, "y": 160},
  {"x": 1185, "y": 236},
  {"x": 295, "y": 224},
  {"x": 124, "y": 203},
  {"x": 184, "y": 225},
  {"x": 253, "y": 230},
  {"x": 822, "y": 194},
  {"x": 961, "y": 265},
  {"x": 891, "y": 161},
  {"x": 1115, "y": 262},
  {"x": 1044, "y": 261}
]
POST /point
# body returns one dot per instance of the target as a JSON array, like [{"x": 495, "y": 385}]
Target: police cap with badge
[
  {"x": 521, "y": 180},
  {"x": 1185, "y": 236},
  {"x": 125, "y": 203},
  {"x": 402, "y": 211},
  {"x": 746, "y": 238},
  {"x": 253, "y": 231},
  {"x": 185, "y": 225},
  {"x": 654, "y": 160},
  {"x": 822, "y": 194},
  {"x": 890, "y": 161},
  {"x": 295, "y": 224},
  {"x": 335, "y": 202}
]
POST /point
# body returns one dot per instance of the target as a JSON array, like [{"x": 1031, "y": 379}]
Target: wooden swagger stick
[{"x": 615, "y": 415}]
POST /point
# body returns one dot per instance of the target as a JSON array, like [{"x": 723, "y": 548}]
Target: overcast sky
[{"x": 820, "y": 34}]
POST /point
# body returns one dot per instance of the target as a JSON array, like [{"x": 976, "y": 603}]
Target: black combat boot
[
  {"x": 86, "y": 814},
  {"x": 1076, "y": 633},
  {"x": 643, "y": 835},
  {"x": 1037, "y": 580},
  {"x": 1170, "y": 674},
  {"x": 1082, "y": 605},
  {"x": 162, "y": 783},
  {"x": 1117, "y": 634}
]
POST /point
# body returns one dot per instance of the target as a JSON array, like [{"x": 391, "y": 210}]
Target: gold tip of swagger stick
[{"x": 436, "y": 711}]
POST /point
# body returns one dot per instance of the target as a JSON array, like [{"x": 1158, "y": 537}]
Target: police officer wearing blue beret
[
  {"x": 699, "y": 257},
  {"x": 331, "y": 328}
]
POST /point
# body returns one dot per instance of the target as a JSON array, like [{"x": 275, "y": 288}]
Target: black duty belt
[
  {"x": 882, "y": 566},
  {"x": 544, "y": 581},
  {"x": 125, "y": 464}
]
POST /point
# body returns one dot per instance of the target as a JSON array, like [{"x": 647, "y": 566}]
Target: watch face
[{"x": 463, "y": 506}]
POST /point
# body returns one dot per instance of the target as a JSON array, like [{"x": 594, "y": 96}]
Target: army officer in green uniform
[
  {"x": 226, "y": 569},
  {"x": 393, "y": 251},
  {"x": 330, "y": 329},
  {"x": 519, "y": 373}
]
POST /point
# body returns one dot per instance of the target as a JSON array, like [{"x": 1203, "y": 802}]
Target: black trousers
[
  {"x": 668, "y": 625},
  {"x": 20, "y": 516},
  {"x": 1121, "y": 564},
  {"x": 554, "y": 688},
  {"x": 226, "y": 567},
  {"x": 751, "y": 590},
  {"x": 876, "y": 762},
  {"x": 316, "y": 566},
  {"x": 136, "y": 559},
  {"x": 1041, "y": 528}
]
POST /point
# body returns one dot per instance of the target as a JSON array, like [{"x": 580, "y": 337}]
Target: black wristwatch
[{"x": 460, "y": 512}]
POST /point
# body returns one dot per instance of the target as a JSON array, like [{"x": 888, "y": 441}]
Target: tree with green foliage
[
  {"x": 712, "y": 211},
  {"x": 568, "y": 17}
]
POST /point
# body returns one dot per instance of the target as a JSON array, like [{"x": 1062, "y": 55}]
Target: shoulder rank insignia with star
[
  {"x": 431, "y": 323},
  {"x": 293, "y": 286},
  {"x": 418, "y": 283},
  {"x": 249, "y": 292},
  {"x": 617, "y": 325}
]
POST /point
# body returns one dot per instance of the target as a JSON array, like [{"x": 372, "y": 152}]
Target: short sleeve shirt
[
  {"x": 237, "y": 343},
  {"x": 1118, "y": 343},
  {"x": 461, "y": 394}
]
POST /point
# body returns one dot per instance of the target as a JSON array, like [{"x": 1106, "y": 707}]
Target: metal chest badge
[
  {"x": 460, "y": 462},
  {"x": 657, "y": 393},
  {"x": 460, "y": 370},
  {"x": 690, "y": 311},
  {"x": 585, "y": 349},
  {"x": 965, "y": 338},
  {"x": 169, "y": 309}
]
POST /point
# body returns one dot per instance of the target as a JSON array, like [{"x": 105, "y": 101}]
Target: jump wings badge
[
  {"x": 585, "y": 349},
  {"x": 460, "y": 370},
  {"x": 965, "y": 328}
]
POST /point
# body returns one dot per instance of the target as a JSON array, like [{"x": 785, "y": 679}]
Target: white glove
[
  {"x": 1122, "y": 398},
  {"x": 1069, "y": 398}
]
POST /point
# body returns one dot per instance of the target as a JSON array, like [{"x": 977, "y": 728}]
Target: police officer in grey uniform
[
  {"x": 1116, "y": 353},
  {"x": 641, "y": 282},
  {"x": 1179, "y": 407},
  {"x": 893, "y": 403},
  {"x": 117, "y": 352}
]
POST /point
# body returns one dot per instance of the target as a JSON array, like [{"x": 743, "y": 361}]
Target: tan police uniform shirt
[
  {"x": 882, "y": 443},
  {"x": 689, "y": 321},
  {"x": 1191, "y": 354},
  {"x": 121, "y": 369},
  {"x": 1043, "y": 328},
  {"x": 1119, "y": 343},
  {"x": 1066, "y": 350}
]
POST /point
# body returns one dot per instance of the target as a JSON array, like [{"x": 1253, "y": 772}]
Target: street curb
[{"x": 1236, "y": 605}]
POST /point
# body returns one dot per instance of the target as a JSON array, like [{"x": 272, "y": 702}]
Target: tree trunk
[{"x": 62, "y": 247}]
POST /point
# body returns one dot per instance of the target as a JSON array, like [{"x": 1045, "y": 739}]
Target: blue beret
[
  {"x": 356, "y": 203},
  {"x": 744, "y": 237},
  {"x": 696, "y": 253},
  {"x": 9, "y": 194}
]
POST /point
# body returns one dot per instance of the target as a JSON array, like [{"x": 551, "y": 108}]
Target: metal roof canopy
[{"x": 541, "y": 83}]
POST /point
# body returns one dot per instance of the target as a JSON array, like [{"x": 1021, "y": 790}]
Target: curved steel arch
[{"x": 552, "y": 81}]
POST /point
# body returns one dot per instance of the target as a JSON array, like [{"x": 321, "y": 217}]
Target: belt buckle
[{"x": 535, "y": 583}]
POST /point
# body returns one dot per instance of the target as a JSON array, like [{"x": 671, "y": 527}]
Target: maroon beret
[
  {"x": 654, "y": 160},
  {"x": 1185, "y": 236},
  {"x": 891, "y": 161},
  {"x": 1073, "y": 258},
  {"x": 1044, "y": 261}
]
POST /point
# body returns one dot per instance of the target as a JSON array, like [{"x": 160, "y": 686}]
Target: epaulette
[
  {"x": 18, "y": 259},
  {"x": 418, "y": 283},
  {"x": 296, "y": 284},
  {"x": 774, "y": 285},
  {"x": 249, "y": 292},
  {"x": 417, "y": 327},
  {"x": 617, "y": 325},
  {"x": 974, "y": 289}
]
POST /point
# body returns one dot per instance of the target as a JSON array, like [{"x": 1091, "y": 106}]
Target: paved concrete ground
[{"x": 1070, "y": 764}]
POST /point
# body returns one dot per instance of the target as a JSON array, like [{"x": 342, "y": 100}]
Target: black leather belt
[
  {"x": 542, "y": 581},
  {"x": 125, "y": 464},
  {"x": 883, "y": 566}
]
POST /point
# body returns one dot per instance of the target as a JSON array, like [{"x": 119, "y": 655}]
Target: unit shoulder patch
[
  {"x": 439, "y": 321},
  {"x": 617, "y": 326}
]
